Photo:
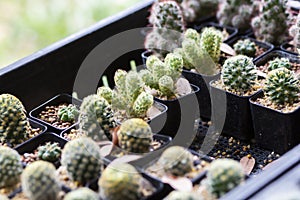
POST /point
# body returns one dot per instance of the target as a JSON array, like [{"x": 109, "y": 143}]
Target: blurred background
[{"x": 27, "y": 26}]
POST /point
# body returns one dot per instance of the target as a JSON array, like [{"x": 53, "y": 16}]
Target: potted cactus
[
  {"x": 294, "y": 45},
  {"x": 276, "y": 113},
  {"x": 230, "y": 97}
]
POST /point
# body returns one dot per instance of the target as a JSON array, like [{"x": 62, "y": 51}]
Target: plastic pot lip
[
  {"x": 256, "y": 96},
  {"x": 283, "y": 48},
  {"x": 204, "y": 75},
  {"x": 276, "y": 53},
  {"x": 235, "y": 95}
]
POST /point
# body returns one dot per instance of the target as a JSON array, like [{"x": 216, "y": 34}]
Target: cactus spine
[{"x": 245, "y": 47}]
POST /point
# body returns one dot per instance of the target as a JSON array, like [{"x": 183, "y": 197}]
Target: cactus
[
  {"x": 282, "y": 86},
  {"x": 135, "y": 136},
  {"x": 279, "y": 62},
  {"x": 176, "y": 161},
  {"x": 237, "y": 13},
  {"x": 294, "y": 32},
  {"x": 105, "y": 90},
  {"x": 68, "y": 113},
  {"x": 49, "y": 152},
  {"x": 10, "y": 167},
  {"x": 182, "y": 195},
  {"x": 272, "y": 23},
  {"x": 82, "y": 159},
  {"x": 40, "y": 182},
  {"x": 223, "y": 175},
  {"x": 245, "y": 47},
  {"x": 96, "y": 117},
  {"x": 14, "y": 125},
  {"x": 82, "y": 194},
  {"x": 239, "y": 73},
  {"x": 120, "y": 181}
]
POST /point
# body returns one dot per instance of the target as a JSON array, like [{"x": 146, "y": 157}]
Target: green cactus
[
  {"x": 82, "y": 194},
  {"x": 105, "y": 90},
  {"x": 282, "y": 86},
  {"x": 135, "y": 135},
  {"x": 174, "y": 63},
  {"x": 49, "y": 152},
  {"x": 14, "y": 125},
  {"x": 10, "y": 167},
  {"x": 166, "y": 86},
  {"x": 68, "y": 113},
  {"x": 239, "y": 73},
  {"x": 96, "y": 117},
  {"x": 279, "y": 62},
  {"x": 245, "y": 47},
  {"x": 272, "y": 23},
  {"x": 223, "y": 175},
  {"x": 142, "y": 103},
  {"x": 40, "y": 182},
  {"x": 237, "y": 13},
  {"x": 182, "y": 195},
  {"x": 294, "y": 32},
  {"x": 176, "y": 161},
  {"x": 82, "y": 159},
  {"x": 120, "y": 181}
]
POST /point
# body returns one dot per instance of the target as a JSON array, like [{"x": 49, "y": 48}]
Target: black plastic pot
[
  {"x": 285, "y": 47},
  {"x": 235, "y": 109},
  {"x": 275, "y": 130},
  {"x": 61, "y": 98}
]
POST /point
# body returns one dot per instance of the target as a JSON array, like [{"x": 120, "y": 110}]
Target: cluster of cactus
[
  {"x": 14, "y": 125},
  {"x": 135, "y": 135},
  {"x": 223, "y": 175},
  {"x": 294, "y": 32},
  {"x": 39, "y": 181},
  {"x": 201, "y": 52},
  {"x": 167, "y": 21},
  {"x": 237, "y": 13},
  {"x": 49, "y": 152},
  {"x": 176, "y": 161},
  {"x": 239, "y": 73},
  {"x": 163, "y": 76},
  {"x": 120, "y": 181},
  {"x": 82, "y": 193},
  {"x": 182, "y": 195},
  {"x": 279, "y": 62},
  {"x": 282, "y": 86},
  {"x": 82, "y": 160},
  {"x": 245, "y": 47},
  {"x": 68, "y": 113},
  {"x": 272, "y": 23},
  {"x": 96, "y": 117},
  {"x": 10, "y": 167}
]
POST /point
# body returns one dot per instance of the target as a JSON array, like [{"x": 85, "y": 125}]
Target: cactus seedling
[
  {"x": 223, "y": 175},
  {"x": 82, "y": 194},
  {"x": 282, "y": 86},
  {"x": 279, "y": 62},
  {"x": 68, "y": 113},
  {"x": 49, "y": 152},
  {"x": 39, "y": 181},
  {"x": 245, "y": 47}
]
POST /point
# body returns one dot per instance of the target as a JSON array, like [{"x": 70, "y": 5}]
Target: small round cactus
[
  {"x": 135, "y": 136},
  {"x": 176, "y": 161},
  {"x": 181, "y": 195},
  {"x": 282, "y": 86},
  {"x": 245, "y": 47},
  {"x": 82, "y": 194},
  {"x": 68, "y": 113},
  {"x": 239, "y": 73},
  {"x": 223, "y": 175},
  {"x": 49, "y": 152},
  {"x": 40, "y": 182},
  {"x": 279, "y": 62},
  {"x": 82, "y": 159},
  {"x": 120, "y": 181},
  {"x": 10, "y": 167}
]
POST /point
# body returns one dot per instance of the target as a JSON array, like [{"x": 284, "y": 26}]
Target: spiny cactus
[
  {"x": 105, "y": 90},
  {"x": 245, "y": 47},
  {"x": 135, "y": 136},
  {"x": 181, "y": 195},
  {"x": 294, "y": 32},
  {"x": 96, "y": 117},
  {"x": 239, "y": 73},
  {"x": 68, "y": 113},
  {"x": 82, "y": 159},
  {"x": 10, "y": 167},
  {"x": 120, "y": 181},
  {"x": 272, "y": 23},
  {"x": 14, "y": 125},
  {"x": 279, "y": 62},
  {"x": 282, "y": 86},
  {"x": 176, "y": 161},
  {"x": 82, "y": 194},
  {"x": 49, "y": 152},
  {"x": 40, "y": 182},
  {"x": 237, "y": 13},
  {"x": 223, "y": 175}
]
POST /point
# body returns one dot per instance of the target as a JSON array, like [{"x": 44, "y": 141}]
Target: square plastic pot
[
  {"x": 285, "y": 46},
  {"x": 275, "y": 130}
]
